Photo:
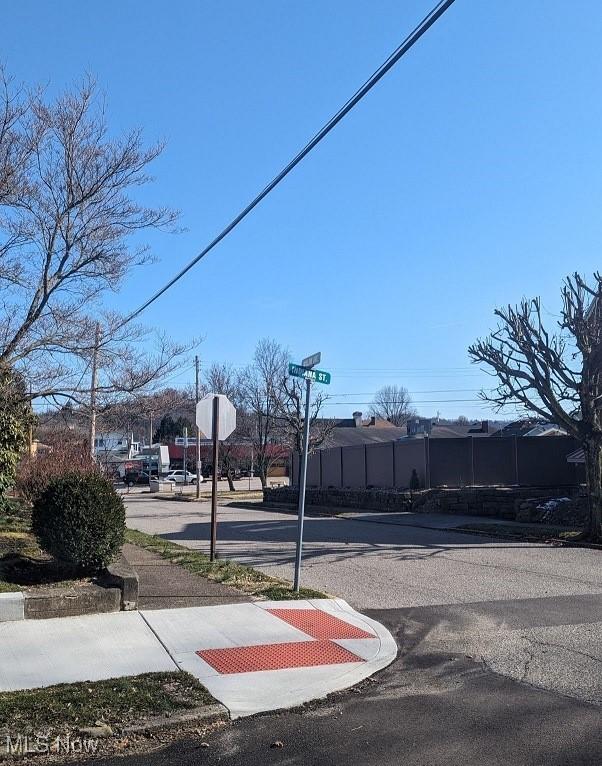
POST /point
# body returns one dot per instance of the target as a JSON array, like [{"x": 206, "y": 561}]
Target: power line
[
  {"x": 402, "y": 49},
  {"x": 331, "y": 403}
]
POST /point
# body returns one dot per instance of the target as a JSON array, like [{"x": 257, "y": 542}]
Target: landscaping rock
[{"x": 97, "y": 732}]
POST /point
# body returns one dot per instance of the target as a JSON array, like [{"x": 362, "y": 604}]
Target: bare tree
[
  {"x": 261, "y": 392},
  {"x": 392, "y": 403},
  {"x": 225, "y": 379},
  {"x": 291, "y": 415},
  {"x": 67, "y": 215},
  {"x": 556, "y": 375}
]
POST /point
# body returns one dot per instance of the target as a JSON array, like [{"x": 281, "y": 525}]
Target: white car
[{"x": 181, "y": 477}]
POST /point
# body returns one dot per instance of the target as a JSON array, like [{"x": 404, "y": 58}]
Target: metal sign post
[
  {"x": 216, "y": 418},
  {"x": 302, "y": 482},
  {"x": 215, "y": 429},
  {"x": 304, "y": 370}
]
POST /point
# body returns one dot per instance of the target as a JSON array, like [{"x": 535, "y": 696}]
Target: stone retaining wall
[
  {"x": 510, "y": 503},
  {"x": 495, "y": 502},
  {"x": 364, "y": 499}
]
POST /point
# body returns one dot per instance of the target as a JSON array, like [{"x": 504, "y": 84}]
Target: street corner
[{"x": 274, "y": 655}]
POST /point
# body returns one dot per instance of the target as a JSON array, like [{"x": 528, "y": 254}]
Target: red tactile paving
[
  {"x": 300, "y": 654},
  {"x": 319, "y": 624}
]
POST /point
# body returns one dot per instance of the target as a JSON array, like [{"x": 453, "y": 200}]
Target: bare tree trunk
[
  {"x": 231, "y": 486},
  {"x": 593, "y": 473},
  {"x": 263, "y": 477}
]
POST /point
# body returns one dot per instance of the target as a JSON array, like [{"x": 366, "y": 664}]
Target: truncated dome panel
[
  {"x": 319, "y": 624},
  {"x": 300, "y": 654}
]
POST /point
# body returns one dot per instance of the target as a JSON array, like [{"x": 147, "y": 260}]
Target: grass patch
[
  {"x": 8, "y": 587},
  {"x": 116, "y": 702},
  {"x": 537, "y": 531},
  {"x": 239, "y": 494},
  {"x": 22, "y": 561},
  {"x": 228, "y": 572},
  {"x": 15, "y": 516}
]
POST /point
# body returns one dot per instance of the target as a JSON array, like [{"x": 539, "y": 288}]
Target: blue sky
[{"x": 468, "y": 178}]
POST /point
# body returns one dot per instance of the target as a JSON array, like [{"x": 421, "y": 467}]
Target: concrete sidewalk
[
  {"x": 165, "y": 585},
  {"x": 252, "y": 657}
]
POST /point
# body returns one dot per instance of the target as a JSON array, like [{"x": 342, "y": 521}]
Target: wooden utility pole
[
  {"x": 198, "y": 431},
  {"x": 93, "y": 384},
  {"x": 30, "y": 430},
  {"x": 215, "y": 435}
]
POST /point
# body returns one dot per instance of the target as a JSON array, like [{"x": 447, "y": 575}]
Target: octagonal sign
[{"x": 227, "y": 416}]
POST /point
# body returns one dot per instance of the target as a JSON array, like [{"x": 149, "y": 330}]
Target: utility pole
[
  {"x": 93, "y": 384},
  {"x": 150, "y": 451},
  {"x": 30, "y": 429},
  {"x": 198, "y": 431}
]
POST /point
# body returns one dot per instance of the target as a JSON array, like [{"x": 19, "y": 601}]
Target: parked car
[
  {"x": 138, "y": 477},
  {"x": 179, "y": 477}
]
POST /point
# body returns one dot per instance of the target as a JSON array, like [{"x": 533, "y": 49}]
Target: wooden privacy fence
[{"x": 536, "y": 461}]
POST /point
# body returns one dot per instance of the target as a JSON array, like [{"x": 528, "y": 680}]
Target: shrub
[
  {"x": 414, "y": 480},
  {"x": 65, "y": 456},
  {"x": 15, "y": 419},
  {"x": 80, "y": 520}
]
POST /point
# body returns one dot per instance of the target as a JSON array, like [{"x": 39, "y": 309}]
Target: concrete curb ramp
[
  {"x": 252, "y": 657},
  {"x": 272, "y": 655}
]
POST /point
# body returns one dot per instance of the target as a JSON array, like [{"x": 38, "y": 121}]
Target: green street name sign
[{"x": 316, "y": 376}]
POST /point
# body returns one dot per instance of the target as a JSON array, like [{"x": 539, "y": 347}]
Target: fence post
[
  {"x": 321, "y": 481},
  {"x": 516, "y": 460},
  {"x": 427, "y": 462},
  {"x": 393, "y": 453},
  {"x": 342, "y": 467},
  {"x": 472, "y": 460},
  {"x": 365, "y": 466}
]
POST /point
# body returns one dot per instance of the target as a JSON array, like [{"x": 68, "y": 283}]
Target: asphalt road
[
  {"x": 429, "y": 708},
  {"x": 500, "y": 642}
]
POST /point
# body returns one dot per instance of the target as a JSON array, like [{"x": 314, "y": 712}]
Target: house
[
  {"x": 530, "y": 427},
  {"x": 348, "y": 432},
  {"x": 117, "y": 444},
  {"x": 114, "y": 449},
  {"x": 355, "y": 430}
]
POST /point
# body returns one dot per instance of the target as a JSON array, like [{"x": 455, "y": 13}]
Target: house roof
[
  {"x": 345, "y": 436},
  {"x": 529, "y": 427}
]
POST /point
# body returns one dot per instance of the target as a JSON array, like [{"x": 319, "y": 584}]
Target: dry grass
[{"x": 230, "y": 573}]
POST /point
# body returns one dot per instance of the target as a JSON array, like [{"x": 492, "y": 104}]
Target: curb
[
  {"x": 117, "y": 590},
  {"x": 122, "y": 575},
  {"x": 12, "y": 606},
  {"x": 206, "y": 714}
]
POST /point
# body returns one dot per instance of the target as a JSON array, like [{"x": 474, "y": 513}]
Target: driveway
[{"x": 531, "y": 612}]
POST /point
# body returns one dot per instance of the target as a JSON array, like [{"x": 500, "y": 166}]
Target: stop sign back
[{"x": 227, "y": 416}]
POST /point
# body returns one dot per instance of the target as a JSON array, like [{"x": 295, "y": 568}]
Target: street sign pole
[
  {"x": 302, "y": 482},
  {"x": 198, "y": 430},
  {"x": 215, "y": 433}
]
